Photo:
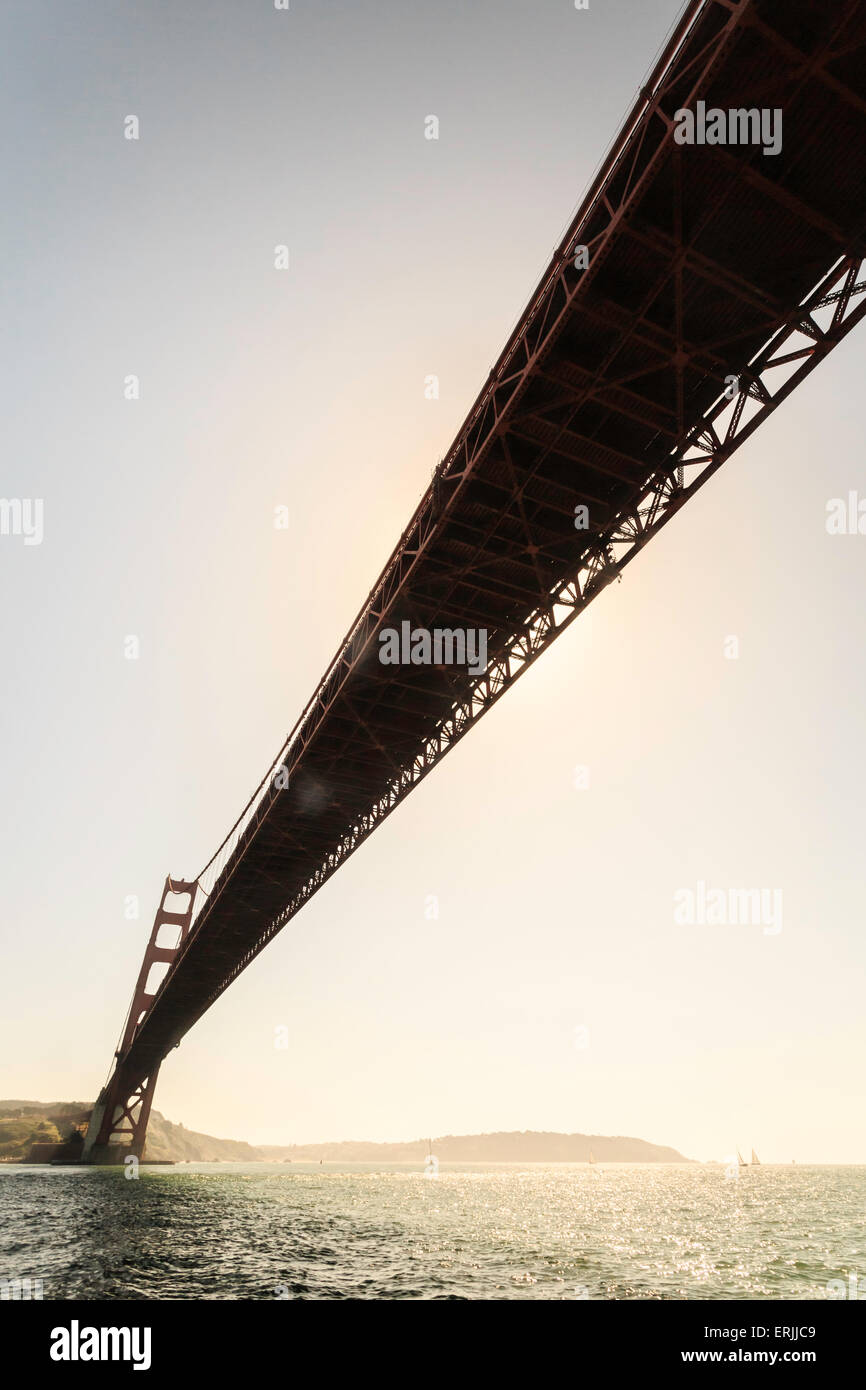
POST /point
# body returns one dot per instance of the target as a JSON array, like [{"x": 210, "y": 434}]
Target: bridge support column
[
  {"x": 118, "y": 1124},
  {"x": 119, "y": 1120}
]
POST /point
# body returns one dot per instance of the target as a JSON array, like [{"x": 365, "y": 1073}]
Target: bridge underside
[{"x": 705, "y": 263}]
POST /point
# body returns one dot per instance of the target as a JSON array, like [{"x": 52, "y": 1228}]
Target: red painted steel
[{"x": 123, "y": 1109}]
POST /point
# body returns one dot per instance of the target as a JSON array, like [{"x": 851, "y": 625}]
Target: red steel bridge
[{"x": 713, "y": 278}]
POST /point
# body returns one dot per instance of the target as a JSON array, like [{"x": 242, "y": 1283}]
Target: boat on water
[
  {"x": 591, "y": 1156},
  {"x": 755, "y": 1162}
]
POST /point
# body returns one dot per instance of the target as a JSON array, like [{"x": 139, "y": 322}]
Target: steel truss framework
[
  {"x": 613, "y": 393},
  {"x": 705, "y": 449},
  {"x": 123, "y": 1108}
]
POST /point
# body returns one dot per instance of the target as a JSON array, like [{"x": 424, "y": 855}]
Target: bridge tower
[{"x": 118, "y": 1125}]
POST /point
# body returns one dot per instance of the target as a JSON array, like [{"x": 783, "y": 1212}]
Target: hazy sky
[{"x": 305, "y": 388}]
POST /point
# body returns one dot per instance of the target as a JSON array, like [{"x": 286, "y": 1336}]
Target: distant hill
[
  {"x": 25, "y": 1122},
  {"x": 165, "y": 1140},
  {"x": 516, "y": 1146}
]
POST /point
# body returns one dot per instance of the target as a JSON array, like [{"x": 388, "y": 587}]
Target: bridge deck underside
[{"x": 698, "y": 254}]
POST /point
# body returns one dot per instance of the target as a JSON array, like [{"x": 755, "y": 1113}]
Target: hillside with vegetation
[{"x": 27, "y": 1122}]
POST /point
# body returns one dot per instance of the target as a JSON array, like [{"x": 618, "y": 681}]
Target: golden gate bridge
[{"x": 700, "y": 281}]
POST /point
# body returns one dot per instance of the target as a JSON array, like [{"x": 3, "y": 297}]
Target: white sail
[
  {"x": 755, "y": 1158},
  {"x": 742, "y": 1162}
]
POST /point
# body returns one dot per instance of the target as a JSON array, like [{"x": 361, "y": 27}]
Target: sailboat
[
  {"x": 755, "y": 1159},
  {"x": 591, "y": 1156},
  {"x": 741, "y": 1161}
]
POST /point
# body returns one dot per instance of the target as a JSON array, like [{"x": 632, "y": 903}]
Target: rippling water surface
[{"x": 560, "y": 1231}]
